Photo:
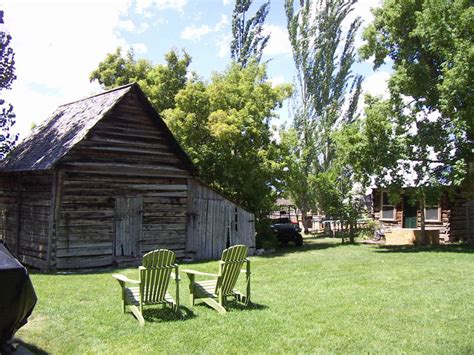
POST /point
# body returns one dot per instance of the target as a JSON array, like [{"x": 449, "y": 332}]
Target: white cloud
[
  {"x": 278, "y": 42},
  {"x": 143, "y": 5},
  {"x": 195, "y": 33},
  {"x": 225, "y": 2},
  {"x": 139, "y": 48},
  {"x": 59, "y": 45},
  {"x": 127, "y": 25},
  {"x": 377, "y": 84},
  {"x": 143, "y": 27},
  {"x": 223, "y": 45},
  {"x": 363, "y": 10},
  {"x": 277, "y": 80},
  {"x": 221, "y": 24}
]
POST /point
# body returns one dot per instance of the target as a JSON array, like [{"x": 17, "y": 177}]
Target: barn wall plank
[
  {"x": 33, "y": 214},
  {"x": 210, "y": 219}
]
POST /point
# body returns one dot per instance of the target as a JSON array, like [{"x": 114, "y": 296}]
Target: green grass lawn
[{"x": 323, "y": 297}]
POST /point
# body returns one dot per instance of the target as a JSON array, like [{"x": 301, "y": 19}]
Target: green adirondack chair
[
  {"x": 215, "y": 292},
  {"x": 151, "y": 288}
]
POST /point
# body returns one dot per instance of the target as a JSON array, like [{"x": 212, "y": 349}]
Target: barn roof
[{"x": 69, "y": 125}]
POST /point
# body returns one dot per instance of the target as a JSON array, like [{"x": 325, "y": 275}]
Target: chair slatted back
[
  {"x": 155, "y": 274},
  {"x": 230, "y": 265}
]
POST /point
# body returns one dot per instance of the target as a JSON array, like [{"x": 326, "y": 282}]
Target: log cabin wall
[
  {"x": 124, "y": 179},
  {"x": 377, "y": 208},
  {"x": 462, "y": 219},
  {"x": 444, "y": 225},
  {"x": 215, "y": 223}
]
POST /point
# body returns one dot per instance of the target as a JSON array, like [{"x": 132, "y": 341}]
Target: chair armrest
[
  {"x": 194, "y": 272},
  {"x": 123, "y": 278}
]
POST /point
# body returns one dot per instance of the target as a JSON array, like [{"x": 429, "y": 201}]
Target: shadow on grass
[
  {"x": 27, "y": 349},
  {"x": 166, "y": 314},
  {"x": 237, "y": 306},
  {"x": 449, "y": 248},
  {"x": 307, "y": 247}
]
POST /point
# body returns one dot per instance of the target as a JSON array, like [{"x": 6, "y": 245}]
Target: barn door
[{"x": 128, "y": 225}]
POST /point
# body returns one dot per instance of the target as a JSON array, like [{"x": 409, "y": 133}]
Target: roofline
[
  {"x": 223, "y": 194},
  {"x": 99, "y": 94}
]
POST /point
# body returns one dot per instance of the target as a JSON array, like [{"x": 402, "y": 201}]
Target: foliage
[
  {"x": 323, "y": 54},
  {"x": 7, "y": 76},
  {"x": 225, "y": 128},
  {"x": 248, "y": 39},
  {"x": 223, "y": 125},
  {"x": 160, "y": 82},
  {"x": 428, "y": 119},
  {"x": 7, "y": 120},
  {"x": 265, "y": 237},
  {"x": 421, "y": 136},
  {"x": 321, "y": 298}
]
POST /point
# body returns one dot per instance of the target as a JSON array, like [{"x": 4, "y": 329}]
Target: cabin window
[
  {"x": 388, "y": 210},
  {"x": 433, "y": 213}
]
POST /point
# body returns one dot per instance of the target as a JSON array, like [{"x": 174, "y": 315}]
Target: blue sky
[{"x": 59, "y": 42}]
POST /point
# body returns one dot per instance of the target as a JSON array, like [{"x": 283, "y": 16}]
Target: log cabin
[
  {"x": 452, "y": 215},
  {"x": 104, "y": 181}
]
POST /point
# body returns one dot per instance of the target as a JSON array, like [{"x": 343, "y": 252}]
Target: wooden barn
[{"x": 104, "y": 181}]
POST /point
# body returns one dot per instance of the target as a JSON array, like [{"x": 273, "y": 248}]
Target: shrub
[{"x": 265, "y": 237}]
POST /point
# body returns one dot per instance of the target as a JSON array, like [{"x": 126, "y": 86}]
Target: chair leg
[
  {"x": 212, "y": 303},
  {"x": 191, "y": 289},
  {"x": 136, "y": 312}
]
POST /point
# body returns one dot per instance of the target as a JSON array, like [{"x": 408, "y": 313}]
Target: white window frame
[
  {"x": 381, "y": 209},
  {"x": 433, "y": 207}
]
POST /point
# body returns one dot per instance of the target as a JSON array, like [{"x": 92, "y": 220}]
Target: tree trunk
[
  {"x": 422, "y": 220},
  {"x": 351, "y": 233},
  {"x": 304, "y": 212}
]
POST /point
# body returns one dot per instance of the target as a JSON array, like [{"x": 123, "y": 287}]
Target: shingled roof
[{"x": 69, "y": 125}]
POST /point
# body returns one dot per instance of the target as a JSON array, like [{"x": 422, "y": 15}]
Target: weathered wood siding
[
  {"x": 125, "y": 155},
  {"x": 462, "y": 220},
  {"x": 9, "y": 202},
  {"x": 24, "y": 215},
  {"x": 215, "y": 223}
]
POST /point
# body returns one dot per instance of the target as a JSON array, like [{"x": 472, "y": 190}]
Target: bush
[{"x": 265, "y": 237}]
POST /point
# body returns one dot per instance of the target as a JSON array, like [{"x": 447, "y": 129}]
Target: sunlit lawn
[{"x": 324, "y": 297}]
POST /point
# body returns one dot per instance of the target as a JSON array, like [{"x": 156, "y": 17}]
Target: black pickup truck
[{"x": 286, "y": 231}]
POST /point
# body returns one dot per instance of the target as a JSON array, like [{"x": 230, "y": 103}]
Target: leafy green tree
[
  {"x": 323, "y": 55},
  {"x": 425, "y": 130},
  {"x": 160, "y": 82},
  {"x": 225, "y": 127},
  {"x": 7, "y": 76},
  {"x": 248, "y": 39}
]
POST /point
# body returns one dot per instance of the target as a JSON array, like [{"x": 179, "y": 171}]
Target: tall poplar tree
[
  {"x": 7, "y": 76},
  {"x": 248, "y": 39},
  {"x": 326, "y": 93}
]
